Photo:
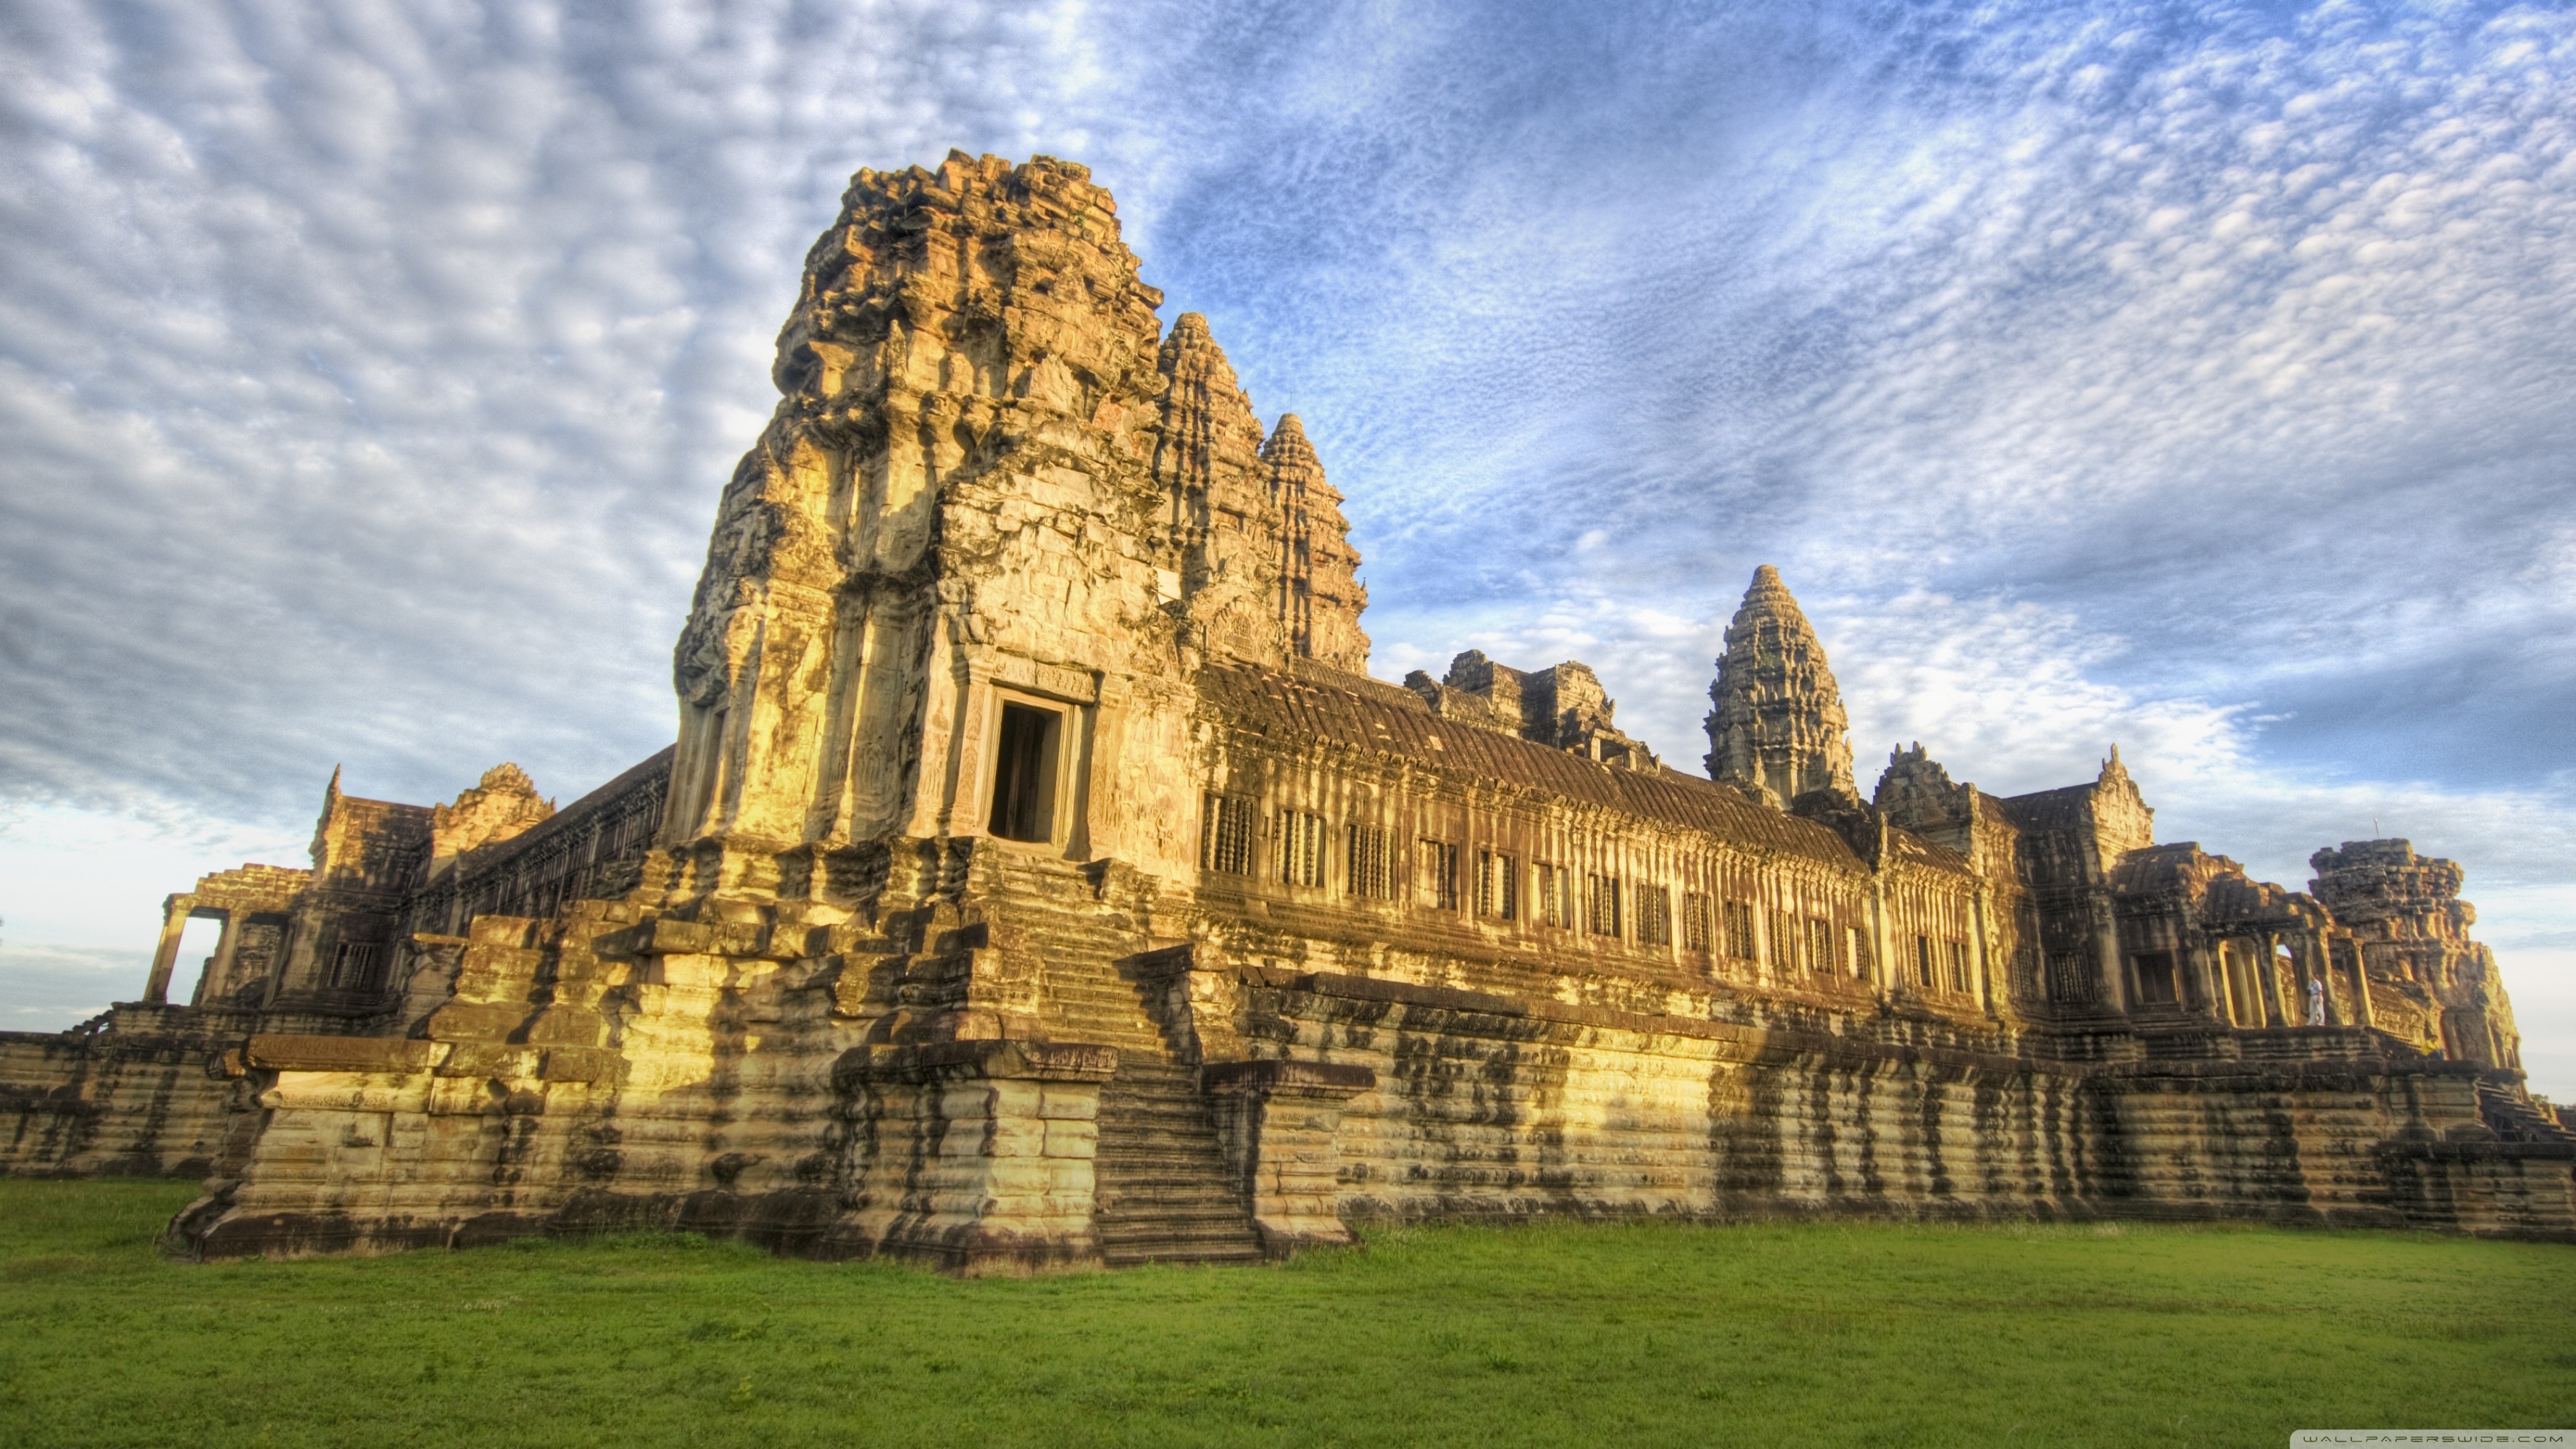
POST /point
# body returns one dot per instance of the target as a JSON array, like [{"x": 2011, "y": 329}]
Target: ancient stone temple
[{"x": 1038, "y": 880}]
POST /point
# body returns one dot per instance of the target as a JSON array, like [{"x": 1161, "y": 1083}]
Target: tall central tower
[{"x": 1779, "y": 722}]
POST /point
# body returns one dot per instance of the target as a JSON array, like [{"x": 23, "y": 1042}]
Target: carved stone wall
[{"x": 1030, "y": 888}]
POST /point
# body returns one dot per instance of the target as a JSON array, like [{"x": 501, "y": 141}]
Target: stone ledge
[
  {"x": 1755, "y": 1045},
  {"x": 1274, "y": 1075},
  {"x": 336, "y": 1053},
  {"x": 976, "y": 1060}
]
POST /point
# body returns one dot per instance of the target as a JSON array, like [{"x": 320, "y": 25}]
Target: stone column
[
  {"x": 2267, "y": 978},
  {"x": 1280, "y": 1123},
  {"x": 220, "y": 970},
  {"x": 174, "y": 920},
  {"x": 2106, "y": 946}
]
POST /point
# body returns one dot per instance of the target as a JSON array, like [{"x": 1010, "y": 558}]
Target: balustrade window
[
  {"x": 2070, "y": 979},
  {"x": 1601, "y": 906},
  {"x": 1225, "y": 835},
  {"x": 1436, "y": 864},
  {"x": 1820, "y": 947},
  {"x": 1497, "y": 886},
  {"x": 1923, "y": 962},
  {"x": 353, "y": 965},
  {"x": 1654, "y": 916},
  {"x": 1739, "y": 930},
  {"x": 1959, "y": 967},
  {"x": 1694, "y": 921},
  {"x": 1555, "y": 895},
  {"x": 1301, "y": 848},
  {"x": 1371, "y": 852},
  {"x": 1784, "y": 941}
]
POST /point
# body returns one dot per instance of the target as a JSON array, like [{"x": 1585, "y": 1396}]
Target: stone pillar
[
  {"x": 2267, "y": 979},
  {"x": 220, "y": 970},
  {"x": 2106, "y": 946},
  {"x": 975, "y": 1156},
  {"x": 174, "y": 920},
  {"x": 1280, "y": 1123}
]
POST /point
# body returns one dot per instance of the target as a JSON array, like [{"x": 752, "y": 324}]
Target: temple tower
[
  {"x": 1778, "y": 726},
  {"x": 1225, "y": 512},
  {"x": 1320, "y": 595}
]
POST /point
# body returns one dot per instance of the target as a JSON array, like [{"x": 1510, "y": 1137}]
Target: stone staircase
[
  {"x": 2509, "y": 1110},
  {"x": 1161, "y": 1189}
]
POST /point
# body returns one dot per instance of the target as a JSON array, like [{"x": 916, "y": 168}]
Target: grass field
[{"x": 1557, "y": 1334}]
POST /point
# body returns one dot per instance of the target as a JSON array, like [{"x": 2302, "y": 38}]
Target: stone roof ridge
[{"x": 1309, "y": 702}]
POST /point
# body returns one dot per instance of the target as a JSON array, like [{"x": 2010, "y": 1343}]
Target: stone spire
[
  {"x": 1223, "y": 513},
  {"x": 1778, "y": 727},
  {"x": 1320, "y": 595}
]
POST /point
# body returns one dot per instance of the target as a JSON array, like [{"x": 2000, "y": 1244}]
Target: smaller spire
[{"x": 1778, "y": 729}]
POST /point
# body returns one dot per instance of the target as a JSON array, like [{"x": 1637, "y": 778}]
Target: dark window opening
[
  {"x": 1024, "y": 774},
  {"x": 2156, "y": 979}
]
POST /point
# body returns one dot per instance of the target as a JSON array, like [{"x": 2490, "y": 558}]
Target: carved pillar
[
  {"x": 174, "y": 920},
  {"x": 1280, "y": 1123}
]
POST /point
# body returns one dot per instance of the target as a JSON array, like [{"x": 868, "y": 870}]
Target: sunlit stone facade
[{"x": 1039, "y": 881}]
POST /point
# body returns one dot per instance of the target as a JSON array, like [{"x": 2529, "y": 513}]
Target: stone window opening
[
  {"x": 1301, "y": 848},
  {"x": 1497, "y": 886},
  {"x": 353, "y": 965},
  {"x": 1225, "y": 835},
  {"x": 1821, "y": 955},
  {"x": 1923, "y": 962},
  {"x": 1601, "y": 906},
  {"x": 1739, "y": 930},
  {"x": 1694, "y": 921},
  {"x": 1024, "y": 768},
  {"x": 1371, "y": 853},
  {"x": 1654, "y": 916},
  {"x": 1438, "y": 862},
  {"x": 1555, "y": 896},
  {"x": 1784, "y": 942},
  {"x": 2070, "y": 978},
  {"x": 1959, "y": 967},
  {"x": 2155, "y": 978}
]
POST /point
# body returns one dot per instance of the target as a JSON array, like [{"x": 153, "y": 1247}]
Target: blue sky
[{"x": 2196, "y": 377}]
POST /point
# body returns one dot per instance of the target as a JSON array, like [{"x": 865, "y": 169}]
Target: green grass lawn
[{"x": 1555, "y": 1334}]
